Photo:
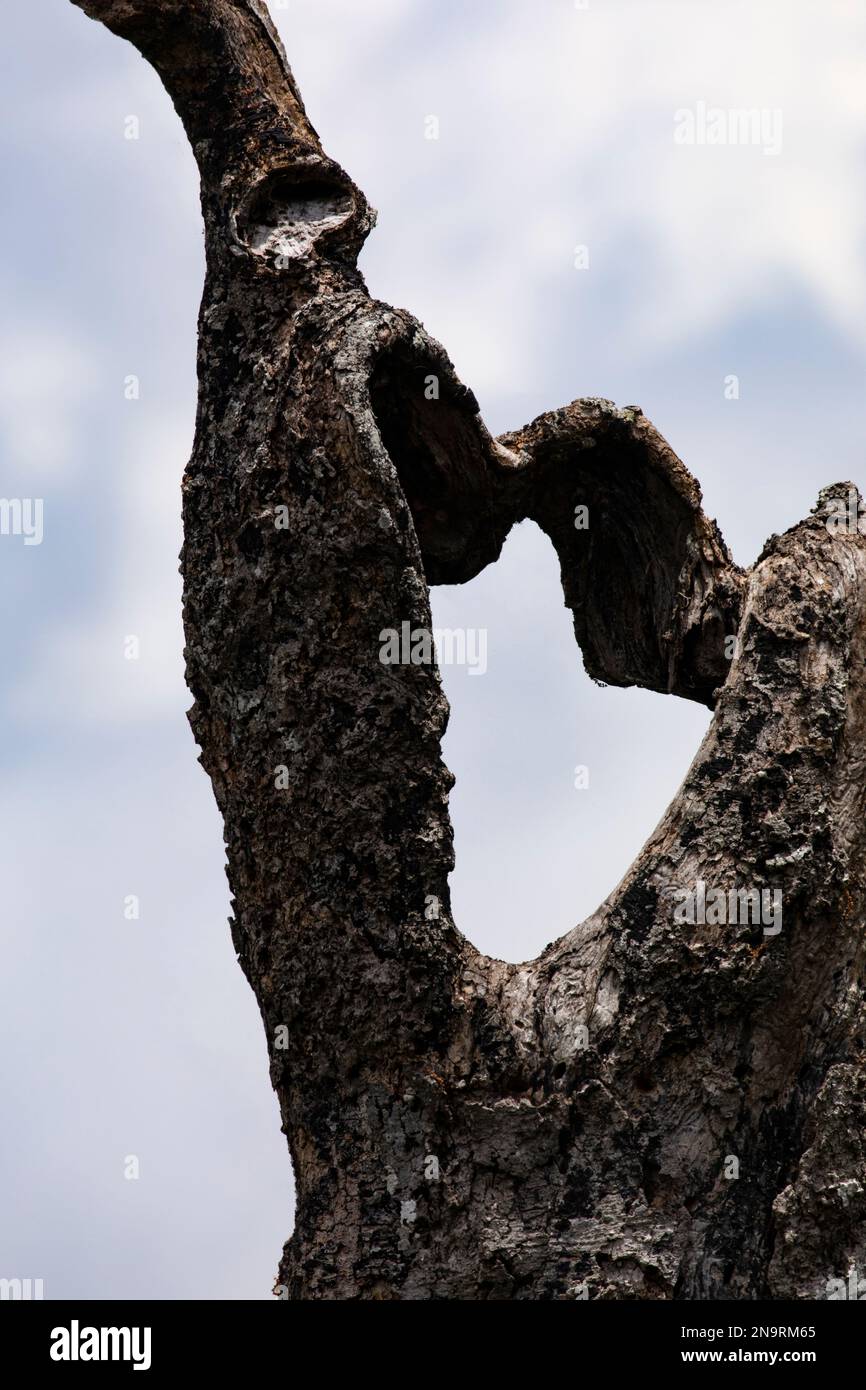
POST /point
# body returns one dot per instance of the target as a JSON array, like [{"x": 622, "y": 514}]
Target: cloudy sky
[{"x": 135, "y": 1037}]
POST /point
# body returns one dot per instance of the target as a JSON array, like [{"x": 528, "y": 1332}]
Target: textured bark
[{"x": 461, "y": 1127}]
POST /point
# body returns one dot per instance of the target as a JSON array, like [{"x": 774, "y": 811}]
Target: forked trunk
[{"x": 670, "y": 1101}]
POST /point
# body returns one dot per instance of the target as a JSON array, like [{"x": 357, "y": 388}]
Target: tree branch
[{"x": 271, "y": 197}]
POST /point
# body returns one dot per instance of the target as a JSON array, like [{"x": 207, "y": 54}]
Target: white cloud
[
  {"x": 46, "y": 376},
  {"x": 557, "y": 128},
  {"x": 86, "y": 657}
]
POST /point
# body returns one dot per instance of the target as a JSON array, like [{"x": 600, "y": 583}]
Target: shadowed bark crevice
[{"x": 446, "y": 462}]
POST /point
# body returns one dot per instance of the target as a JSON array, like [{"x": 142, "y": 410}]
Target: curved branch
[
  {"x": 224, "y": 66},
  {"x": 655, "y": 595},
  {"x": 272, "y": 199}
]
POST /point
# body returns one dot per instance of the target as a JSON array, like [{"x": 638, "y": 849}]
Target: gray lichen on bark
[{"x": 461, "y": 1127}]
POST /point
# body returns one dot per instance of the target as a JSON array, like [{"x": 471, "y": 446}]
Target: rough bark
[{"x": 461, "y": 1127}]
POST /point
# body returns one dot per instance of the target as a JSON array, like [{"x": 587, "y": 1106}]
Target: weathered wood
[{"x": 459, "y": 1126}]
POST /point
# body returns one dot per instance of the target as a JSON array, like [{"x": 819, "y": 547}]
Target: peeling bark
[{"x": 461, "y": 1127}]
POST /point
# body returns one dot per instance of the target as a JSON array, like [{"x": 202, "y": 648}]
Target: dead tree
[{"x": 654, "y": 1108}]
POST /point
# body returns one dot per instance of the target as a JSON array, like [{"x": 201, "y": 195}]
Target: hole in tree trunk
[
  {"x": 535, "y": 852},
  {"x": 559, "y": 782},
  {"x": 286, "y": 215}
]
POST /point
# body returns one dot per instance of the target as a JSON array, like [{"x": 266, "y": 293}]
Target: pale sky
[{"x": 139, "y": 1037}]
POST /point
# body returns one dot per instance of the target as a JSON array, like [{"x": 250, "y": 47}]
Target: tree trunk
[{"x": 656, "y": 1107}]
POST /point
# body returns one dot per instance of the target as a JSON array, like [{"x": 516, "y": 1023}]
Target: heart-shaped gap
[
  {"x": 650, "y": 589},
  {"x": 538, "y": 842}
]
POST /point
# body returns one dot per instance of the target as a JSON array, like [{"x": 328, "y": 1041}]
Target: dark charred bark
[{"x": 461, "y": 1127}]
